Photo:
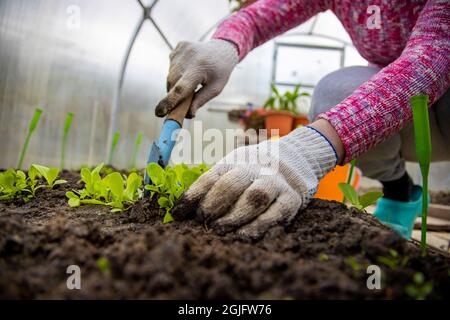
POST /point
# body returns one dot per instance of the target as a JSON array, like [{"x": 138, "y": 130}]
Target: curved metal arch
[{"x": 115, "y": 107}]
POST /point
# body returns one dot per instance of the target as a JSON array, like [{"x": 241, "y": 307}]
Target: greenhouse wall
[{"x": 66, "y": 55}]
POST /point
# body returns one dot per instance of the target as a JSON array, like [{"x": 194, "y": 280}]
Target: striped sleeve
[
  {"x": 380, "y": 107},
  {"x": 265, "y": 19}
]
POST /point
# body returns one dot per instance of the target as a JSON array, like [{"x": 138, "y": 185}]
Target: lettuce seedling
[
  {"x": 419, "y": 289},
  {"x": 49, "y": 174},
  {"x": 170, "y": 183},
  {"x": 359, "y": 202},
  {"x": 12, "y": 184},
  {"x": 33, "y": 124},
  {"x": 33, "y": 181},
  {"x": 15, "y": 184},
  {"x": 393, "y": 260},
  {"x": 111, "y": 191},
  {"x": 104, "y": 265}
]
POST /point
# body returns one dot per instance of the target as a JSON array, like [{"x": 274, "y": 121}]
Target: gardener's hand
[
  {"x": 256, "y": 187},
  {"x": 191, "y": 64}
]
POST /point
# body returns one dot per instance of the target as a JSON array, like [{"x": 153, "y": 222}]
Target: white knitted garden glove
[
  {"x": 191, "y": 64},
  {"x": 256, "y": 187}
]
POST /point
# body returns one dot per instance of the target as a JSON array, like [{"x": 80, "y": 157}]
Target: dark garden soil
[{"x": 323, "y": 253}]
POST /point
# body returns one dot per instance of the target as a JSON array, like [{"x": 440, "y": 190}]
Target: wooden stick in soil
[
  {"x": 67, "y": 125},
  {"x": 422, "y": 136},
  {"x": 33, "y": 124}
]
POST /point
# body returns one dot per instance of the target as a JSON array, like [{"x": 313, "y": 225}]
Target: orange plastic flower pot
[
  {"x": 281, "y": 120},
  {"x": 300, "y": 121}
]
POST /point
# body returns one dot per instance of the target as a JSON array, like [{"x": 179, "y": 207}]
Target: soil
[{"x": 323, "y": 253}]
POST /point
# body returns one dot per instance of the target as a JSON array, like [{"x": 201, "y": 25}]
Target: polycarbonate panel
[
  {"x": 65, "y": 55},
  {"x": 305, "y": 65}
]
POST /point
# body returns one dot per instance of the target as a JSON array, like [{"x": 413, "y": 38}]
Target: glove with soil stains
[
  {"x": 256, "y": 187},
  {"x": 191, "y": 64}
]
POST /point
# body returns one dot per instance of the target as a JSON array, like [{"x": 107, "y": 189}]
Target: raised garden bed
[{"x": 323, "y": 253}]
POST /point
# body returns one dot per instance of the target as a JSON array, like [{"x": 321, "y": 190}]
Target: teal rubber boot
[{"x": 400, "y": 215}]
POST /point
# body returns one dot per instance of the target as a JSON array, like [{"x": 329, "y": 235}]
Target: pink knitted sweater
[{"x": 412, "y": 46}]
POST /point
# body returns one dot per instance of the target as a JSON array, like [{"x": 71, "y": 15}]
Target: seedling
[
  {"x": 112, "y": 150},
  {"x": 104, "y": 265},
  {"x": 33, "y": 181},
  {"x": 49, "y": 174},
  {"x": 359, "y": 202},
  {"x": 354, "y": 265},
  {"x": 113, "y": 190},
  {"x": 394, "y": 260},
  {"x": 67, "y": 125},
  {"x": 15, "y": 184},
  {"x": 422, "y": 136},
  {"x": 419, "y": 289},
  {"x": 33, "y": 124},
  {"x": 170, "y": 183},
  {"x": 323, "y": 257},
  {"x": 137, "y": 145},
  {"x": 12, "y": 184}
]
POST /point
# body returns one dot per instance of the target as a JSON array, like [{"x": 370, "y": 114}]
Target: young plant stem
[
  {"x": 350, "y": 175},
  {"x": 137, "y": 144},
  {"x": 112, "y": 150},
  {"x": 67, "y": 125},
  {"x": 33, "y": 123},
  {"x": 422, "y": 136}
]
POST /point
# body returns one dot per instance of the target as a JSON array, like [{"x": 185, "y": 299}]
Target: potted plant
[
  {"x": 279, "y": 111},
  {"x": 299, "y": 119}
]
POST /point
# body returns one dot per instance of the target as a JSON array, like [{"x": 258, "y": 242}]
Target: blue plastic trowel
[{"x": 160, "y": 151}]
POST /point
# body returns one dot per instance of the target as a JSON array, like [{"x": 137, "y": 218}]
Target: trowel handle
[{"x": 179, "y": 112}]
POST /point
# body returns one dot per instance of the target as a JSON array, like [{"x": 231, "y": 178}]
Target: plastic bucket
[{"x": 328, "y": 187}]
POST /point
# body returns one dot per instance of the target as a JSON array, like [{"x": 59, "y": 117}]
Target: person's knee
[
  {"x": 336, "y": 86},
  {"x": 384, "y": 161}
]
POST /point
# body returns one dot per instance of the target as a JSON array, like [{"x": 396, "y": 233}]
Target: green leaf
[
  {"x": 86, "y": 176},
  {"x": 114, "y": 182},
  {"x": 103, "y": 265},
  {"x": 74, "y": 202},
  {"x": 134, "y": 182},
  {"x": 92, "y": 201},
  {"x": 188, "y": 178},
  {"x": 167, "y": 218},
  {"x": 164, "y": 202},
  {"x": 349, "y": 193},
  {"x": 275, "y": 90},
  {"x": 156, "y": 173},
  {"x": 33, "y": 173},
  {"x": 369, "y": 198}
]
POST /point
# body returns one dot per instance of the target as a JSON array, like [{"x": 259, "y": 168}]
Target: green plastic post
[
  {"x": 137, "y": 144},
  {"x": 67, "y": 125},
  {"x": 112, "y": 150},
  {"x": 33, "y": 124},
  {"x": 350, "y": 175},
  {"x": 422, "y": 135}
]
